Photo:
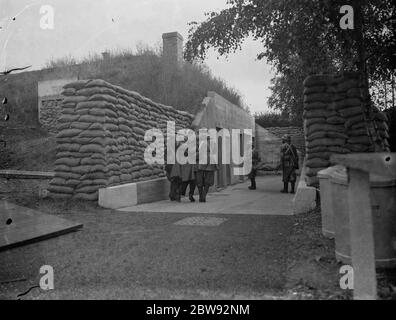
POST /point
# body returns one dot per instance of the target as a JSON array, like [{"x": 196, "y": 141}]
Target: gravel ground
[{"x": 145, "y": 256}]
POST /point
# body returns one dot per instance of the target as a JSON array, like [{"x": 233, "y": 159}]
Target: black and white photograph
[{"x": 197, "y": 156}]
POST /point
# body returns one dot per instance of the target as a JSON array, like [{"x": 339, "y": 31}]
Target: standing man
[
  {"x": 188, "y": 178},
  {"x": 174, "y": 175},
  {"x": 205, "y": 174},
  {"x": 255, "y": 163},
  {"x": 289, "y": 164}
]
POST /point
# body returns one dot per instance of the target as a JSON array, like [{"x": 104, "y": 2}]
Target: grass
[{"x": 143, "y": 71}]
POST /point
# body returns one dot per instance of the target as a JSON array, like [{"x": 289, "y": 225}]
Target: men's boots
[
  {"x": 191, "y": 193},
  {"x": 253, "y": 184},
  {"x": 285, "y": 187},
  {"x": 201, "y": 191},
  {"x": 293, "y": 184},
  {"x": 205, "y": 192}
]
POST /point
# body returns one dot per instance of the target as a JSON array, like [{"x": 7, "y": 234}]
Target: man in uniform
[
  {"x": 188, "y": 178},
  {"x": 289, "y": 164},
  {"x": 255, "y": 163},
  {"x": 173, "y": 173},
  {"x": 205, "y": 174}
]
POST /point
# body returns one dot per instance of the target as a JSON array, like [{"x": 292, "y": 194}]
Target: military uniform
[
  {"x": 289, "y": 164},
  {"x": 173, "y": 173},
  {"x": 205, "y": 176},
  {"x": 188, "y": 179},
  {"x": 252, "y": 175}
]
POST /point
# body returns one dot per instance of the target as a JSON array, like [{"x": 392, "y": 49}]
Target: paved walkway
[{"x": 236, "y": 199}]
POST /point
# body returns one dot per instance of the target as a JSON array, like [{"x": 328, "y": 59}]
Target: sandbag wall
[
  {"x": 100, "y": 140},
  {"x": 335, "y": 121}
]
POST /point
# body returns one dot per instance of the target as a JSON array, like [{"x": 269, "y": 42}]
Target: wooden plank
[
  {"x": 21, "y": 174},
  {"x": 362, "y": 236},
  {"x": 377, "y": 163},
  {"x": 27, "y": 226}
]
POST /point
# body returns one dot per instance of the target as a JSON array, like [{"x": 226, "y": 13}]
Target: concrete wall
[{"x": 219, "y": 113}]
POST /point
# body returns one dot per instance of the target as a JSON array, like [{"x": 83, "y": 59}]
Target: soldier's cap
[{"x": 286, "y": 138}]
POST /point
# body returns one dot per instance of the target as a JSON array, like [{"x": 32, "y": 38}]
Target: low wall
[
  {"x": 100, "y": 140},
  {"x": 337, "y": 120}
]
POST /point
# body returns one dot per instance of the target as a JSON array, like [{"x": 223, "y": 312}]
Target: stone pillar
[{"x": 172, "y": 49}]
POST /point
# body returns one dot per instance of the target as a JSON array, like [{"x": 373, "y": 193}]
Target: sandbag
[
  {"x": 338, "y": 150},
  {"x": 60, "y": 195},
  {"x": 316, "y": 135},
  {"x": 67, "y": 175},
  {"x": 91, "y": 118},
  {"x": 315, "y": 89},
  {"x": 92, "y": 134},
  {"x": 312, "y": 181},
  {"x": 74, "y": 99},
  {"x": 325, "y": 127},
  {"x": 350, "y": 112},
  {"x": 358, "y": 147},
  {"x": 357, "y": 132},
  {"x": 335, "y": 120},
  {"x": 317, "y": 80},
  {"x": 68, "y": 118},
  {"x": 317, "y": 113},
  {"x": 326, "y": 142},
  {"x": 72, "y": 147},
  {"x": 317, "y": 163},
  {"x": 103, "y": 97},
  {"x": 310, "y": 122},
  {"x": 89, "y": 189},
  {"x": 71, "y": 162},
  {"x": 346, "y": 85},
  {"x": 317, "y": 97},
  {"x": 60, "y": 189},
  {"x": 86, "y": 196},
  {"x": 353, "y": 120},
  {"x": 91, "y": 90},
  {"x": 336, "y": 135},
  {"x": 317, "y": 149},
  {"x": 91, "y": 148},
  {"x": 68, "y": 92},
  {"x": 77, "y": 84},
  {"x": 311, "y": 172},
  {"x": 359, "y": 140},
  {"x": 80, "y": 125},
  {"x": 321, "y": 155},
  {"x": 93, "y": 176}
]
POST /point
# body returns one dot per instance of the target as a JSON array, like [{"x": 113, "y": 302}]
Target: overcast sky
[{"x": 86, "y": 26}]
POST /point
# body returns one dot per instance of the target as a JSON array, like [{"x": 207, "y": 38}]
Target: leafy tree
[{"x": 301, "y": 38}]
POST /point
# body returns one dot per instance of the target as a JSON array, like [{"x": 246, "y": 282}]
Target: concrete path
[{"x": 236, "y": 199}]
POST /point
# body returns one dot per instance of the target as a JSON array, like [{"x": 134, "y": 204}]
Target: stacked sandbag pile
[
  {"x": 100, "y": 139},
  {"x": 334, "y": 120}
]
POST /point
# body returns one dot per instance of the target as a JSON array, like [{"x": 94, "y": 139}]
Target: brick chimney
[{"x": 172, "y": 49}]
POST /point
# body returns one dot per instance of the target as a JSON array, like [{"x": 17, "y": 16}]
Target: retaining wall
[
  {"x": 337, "y": 120},
  {"x": 100, "y": 140}
]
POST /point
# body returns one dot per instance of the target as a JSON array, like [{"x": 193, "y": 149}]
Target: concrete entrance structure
[{"x": 219, "y": 113}]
